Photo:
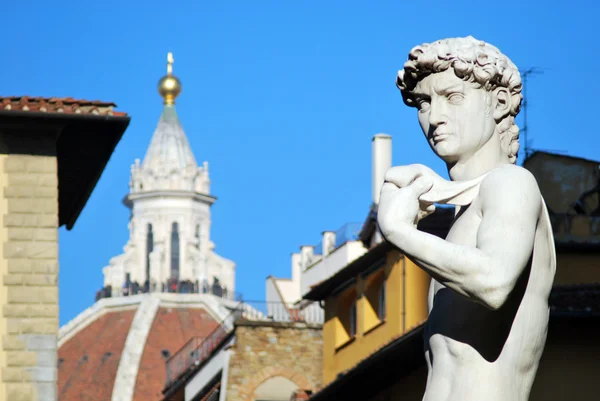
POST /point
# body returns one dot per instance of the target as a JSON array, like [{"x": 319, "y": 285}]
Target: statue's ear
[{"x": 502, "y": 104}]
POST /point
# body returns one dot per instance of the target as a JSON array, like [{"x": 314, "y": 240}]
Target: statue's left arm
[{"x": 510, "y": 204}]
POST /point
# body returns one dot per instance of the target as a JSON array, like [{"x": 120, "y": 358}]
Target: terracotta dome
[{"x": 117, "y": 348}]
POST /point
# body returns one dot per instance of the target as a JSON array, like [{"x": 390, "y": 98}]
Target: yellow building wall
[{"x": 406, "y": 289}]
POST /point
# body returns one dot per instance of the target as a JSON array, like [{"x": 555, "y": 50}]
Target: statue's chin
[{"x": 445, "y": 152}]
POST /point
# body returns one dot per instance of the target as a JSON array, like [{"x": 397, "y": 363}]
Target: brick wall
[
  {"x": 29, "y": 290},
  {"x": 291, "y": 350}
]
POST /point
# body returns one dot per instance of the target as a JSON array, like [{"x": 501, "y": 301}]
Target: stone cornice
[{"x": 128, "y": 200}]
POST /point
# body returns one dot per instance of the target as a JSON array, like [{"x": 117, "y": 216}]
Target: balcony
[
  {"x": 198, "y": 350},
  {"x": 171, "y": 286}
]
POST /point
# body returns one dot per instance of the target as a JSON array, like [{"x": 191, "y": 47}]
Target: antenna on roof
[{"x": 525, "y": 130}]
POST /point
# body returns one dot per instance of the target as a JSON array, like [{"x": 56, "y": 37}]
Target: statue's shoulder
[{"x": 510, "y": 182}]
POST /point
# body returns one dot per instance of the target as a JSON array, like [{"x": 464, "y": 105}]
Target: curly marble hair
[{"x": 473, "y": 61}]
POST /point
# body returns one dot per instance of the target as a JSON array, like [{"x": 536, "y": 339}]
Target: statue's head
[{"x": 467, "y": 94}]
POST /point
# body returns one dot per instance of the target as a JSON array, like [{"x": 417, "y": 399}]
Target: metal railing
[
  {"x": 179, "y": 287},
  {"x": 198, "y": 349}
]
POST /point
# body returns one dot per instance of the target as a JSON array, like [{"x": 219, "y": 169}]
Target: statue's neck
[{"x": 485, "y": 159}]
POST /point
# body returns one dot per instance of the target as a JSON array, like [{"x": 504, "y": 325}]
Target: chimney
[
  {"x": 306, "y": 255},
  {"x": 328, "y": 242},
  {"x": 296, "y": 268},
  {"x": 382, "y": 161}
]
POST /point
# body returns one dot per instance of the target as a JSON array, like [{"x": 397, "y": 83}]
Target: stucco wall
[
  {"x": 406, "y": 306},
  {"x": 292, "y": 351}
]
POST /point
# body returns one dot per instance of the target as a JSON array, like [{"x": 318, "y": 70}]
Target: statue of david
[{"x": 492, "y": 275}]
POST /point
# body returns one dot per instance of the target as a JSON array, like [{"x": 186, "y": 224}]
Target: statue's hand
[{"x": 399, "y": 206}]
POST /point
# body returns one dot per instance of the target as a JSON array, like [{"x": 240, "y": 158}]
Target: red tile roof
[
  {"x": 88, "y": 362},
  {"x": 65, "y": 105},
  {"x": 171, "y": 329}
]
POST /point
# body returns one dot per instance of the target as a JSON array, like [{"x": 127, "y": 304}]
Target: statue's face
[{"x": 455, "y": 116}]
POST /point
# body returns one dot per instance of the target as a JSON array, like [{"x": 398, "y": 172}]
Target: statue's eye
[
  {"x": 455, "y": 98},
  {"x": 423, "y": 104}
]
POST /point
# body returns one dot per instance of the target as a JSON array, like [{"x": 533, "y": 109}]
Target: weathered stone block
[
  {"x": 32, "y": 250},
  {"x": 19, "y": 392},
  {"x": 48, "y": 180},
  {"x": 47, "y": 358},
  {"x": 42, "y": 374},
  {"x": 41, "y": 342},
  {"x": 23, "y": 179},
  {"x": 44, "y": 266},
  {"x": 48, "y": 220},
  {"x": 40, "y": 280},
  {"x": 15, "y": 311},
  {"x": 16, "y": 205},
  {"x": 20, "y": 192},
  {"x": 37, "y": 164},
  {"x": 48, "y": 295},
  {"x": 45, "y": 391},
  {"x": 49, "y": 327},
  {"x": 23, "y": 295},
  {"x": 12, "y": 375},
  {"x": 47, "y": 192},
  {"x": 48, "y": 310},
  {"x": 20, "y": 358},
  {"x": 19, "y": 266},
  {"x": 20, "y": 233},
  {"x": 13, "y": 343},
  {"x": 32, "y": 326},
  {"x": 45, "y": 234},
  {"x": 13, "y": 279},
  {"x": 14, "y": 164}
]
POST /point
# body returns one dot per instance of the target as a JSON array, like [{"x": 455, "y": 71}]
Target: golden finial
[{"x": 169, "y": 86}]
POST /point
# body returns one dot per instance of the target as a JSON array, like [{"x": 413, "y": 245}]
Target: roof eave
[{"x": 83, "y": 139}]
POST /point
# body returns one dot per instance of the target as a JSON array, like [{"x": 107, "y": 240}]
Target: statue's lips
[{"x": 438, "y": 137}]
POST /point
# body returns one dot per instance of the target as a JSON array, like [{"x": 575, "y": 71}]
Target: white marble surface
[{"x": 493, "y": 273}]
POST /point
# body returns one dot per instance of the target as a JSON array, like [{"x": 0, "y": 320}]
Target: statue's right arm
[{"x": 510, "y": 203}]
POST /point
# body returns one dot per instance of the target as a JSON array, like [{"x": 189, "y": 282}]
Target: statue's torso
[{"x": 474, "y": 353}]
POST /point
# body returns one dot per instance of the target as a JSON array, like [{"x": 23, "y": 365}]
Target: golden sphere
[{"x": 169, "y": 87}]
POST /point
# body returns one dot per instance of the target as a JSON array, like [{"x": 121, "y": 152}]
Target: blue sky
[{"x": 282, "y": 98}]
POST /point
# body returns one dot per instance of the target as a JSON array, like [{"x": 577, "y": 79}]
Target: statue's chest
[{"x": 465, "y": 226}]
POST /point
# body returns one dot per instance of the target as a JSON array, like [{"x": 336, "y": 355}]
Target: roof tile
[{"x": 66, "y": 105}]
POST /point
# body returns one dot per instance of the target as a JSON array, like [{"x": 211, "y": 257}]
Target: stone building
[
  {"x": 52, "y": 153},
  {"x": 262, "y": 351},
  {"x": 167, "y": 286}
]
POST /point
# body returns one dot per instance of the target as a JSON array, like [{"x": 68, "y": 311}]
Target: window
[
  {"x": 149, "y": 249},
  {"x": 346, "y": 313},
  {"x": 175, "y": 251},
  {"x": 375, "y": 299},
  {"x": 197, "y": 236},
  {"x": 353, "y": 319},
  {"x": 381, "y": 301}
]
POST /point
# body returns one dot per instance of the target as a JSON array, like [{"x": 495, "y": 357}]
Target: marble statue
[{"x": 492, "y": 275}]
